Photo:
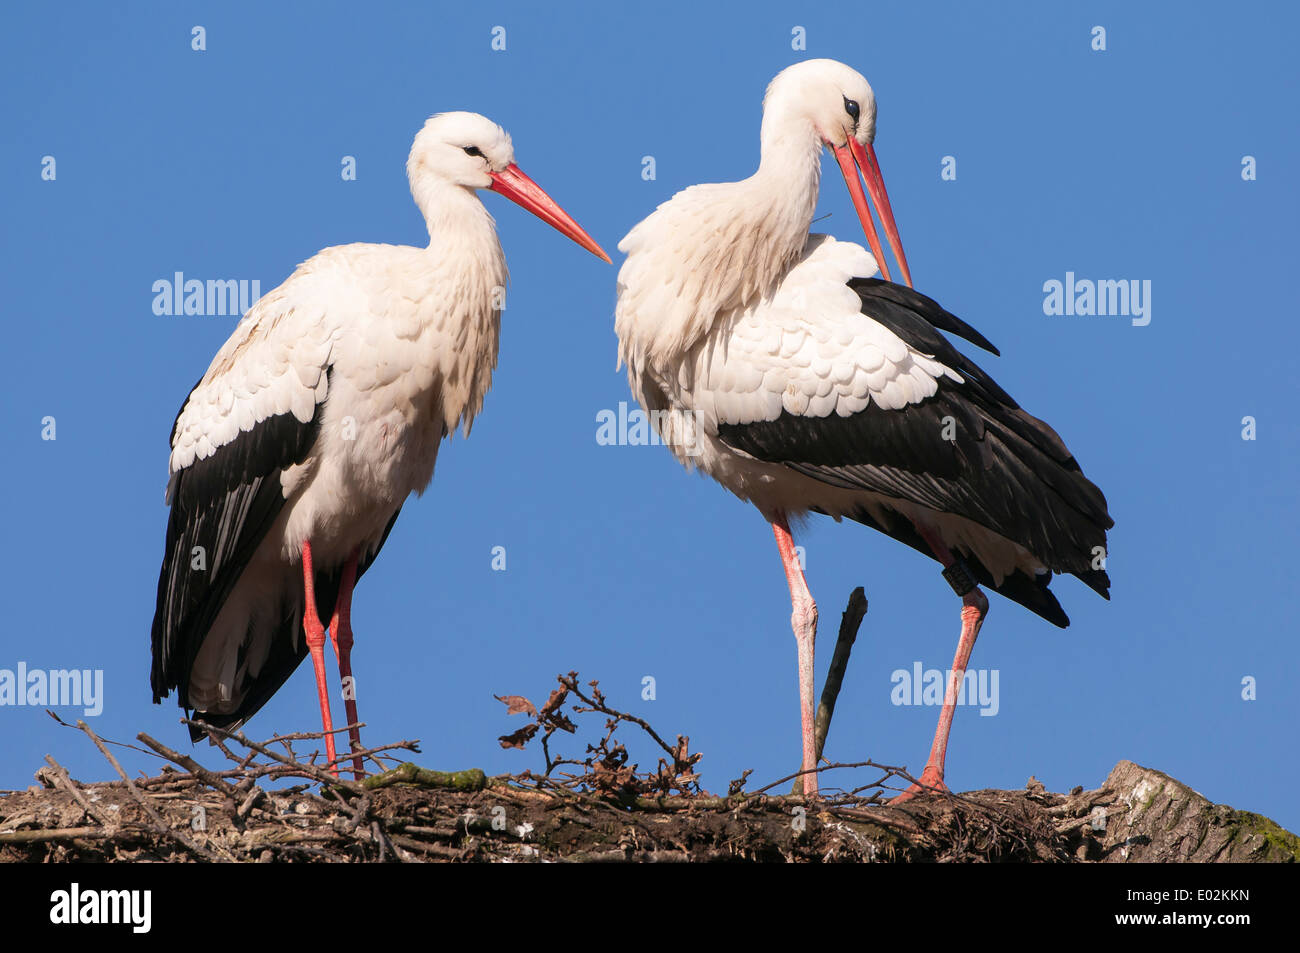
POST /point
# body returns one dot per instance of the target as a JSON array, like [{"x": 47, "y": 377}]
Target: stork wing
[
  {"x": 893, "y": 408},
  {"x": 254, "y": 413},
  {"x": 286, "y": 650}
]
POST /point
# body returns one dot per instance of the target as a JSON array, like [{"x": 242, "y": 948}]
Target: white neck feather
[
  {"x": 468, "y": 268},
  {"x": 741, "y": 239},
  {"x": 789, "y": 175}
]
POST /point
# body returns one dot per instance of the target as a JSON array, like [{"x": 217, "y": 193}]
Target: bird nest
[
  {"x": 275, "y": 801},
  {"x": 278, "y": 801}
]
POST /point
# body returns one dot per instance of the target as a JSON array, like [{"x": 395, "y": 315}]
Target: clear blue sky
[{"x": 1122, "y": 164}]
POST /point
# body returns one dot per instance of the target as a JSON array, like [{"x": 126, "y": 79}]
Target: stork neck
[
  {"x": 464, "y": 250},
  {"x": 453, "y": 215},
  {"x": 790, "y": 171}
]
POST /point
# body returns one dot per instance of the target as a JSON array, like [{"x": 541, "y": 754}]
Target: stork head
[
  {"x": 471, "y": 151},
  {"x": 836, "y": 103}
]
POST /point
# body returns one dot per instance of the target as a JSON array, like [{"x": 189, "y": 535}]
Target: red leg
[
  {"x": 315, "y": 634},
  {"x": 341, "y": 634},
  {"x": 974, "y": 609},
  {"x": 803, "y": 619}
]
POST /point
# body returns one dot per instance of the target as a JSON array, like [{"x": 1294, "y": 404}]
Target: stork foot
[{"x": 931, "y": 782}]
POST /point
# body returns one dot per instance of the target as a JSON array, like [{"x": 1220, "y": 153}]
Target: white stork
[
  {"x": 323, "y": 412},
  {"x": 780, "y": 367}
]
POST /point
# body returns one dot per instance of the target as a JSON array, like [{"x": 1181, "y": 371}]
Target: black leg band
[{"x": 960, "y": 578}]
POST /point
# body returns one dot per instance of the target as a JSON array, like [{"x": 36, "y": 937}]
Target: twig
[
  {"x": 891, "y": 820},
  {"x": 310, "y": 770},
  {"x": 107, "y": 741},
  {"x": 162, "y": 825},
  {"x": 70, "y": 786},
  {"x": 571, "y": 682},
  {"x": 850, "y": 621},
  {"x": 371, "y": 752},
  {"x": 312, "y": 735},
  {"x": 190, "y": 765},
  {"x": 245, "y": 808},
  {"x": 64, "y": 833},
  {"x": 893, "y": 772}
]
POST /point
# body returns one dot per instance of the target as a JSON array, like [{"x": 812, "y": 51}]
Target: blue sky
[{"x": 1116, "y": 164}]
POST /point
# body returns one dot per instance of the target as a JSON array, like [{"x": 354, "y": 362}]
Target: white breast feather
[{"x": 809, "y": 350}]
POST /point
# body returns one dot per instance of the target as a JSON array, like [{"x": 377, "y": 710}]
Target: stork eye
[
  {"x": 851, "y": 108},
  {"x": 473, "y": 151}
]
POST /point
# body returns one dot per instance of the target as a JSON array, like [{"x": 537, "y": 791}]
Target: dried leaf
[
  {"x": 555, "y": 701},
  {"x": 517, "y": 705},
  {"x": 518, "y": 739}
]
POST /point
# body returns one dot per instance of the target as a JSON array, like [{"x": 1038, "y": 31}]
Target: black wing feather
[
  {"x": 225, "y": 503},
  {"x": 288, "y": 649},
  {"x": 1033, "y": 594},
  {"x": 925, "y": 309},
  {"x": 1003, "y": 468}
]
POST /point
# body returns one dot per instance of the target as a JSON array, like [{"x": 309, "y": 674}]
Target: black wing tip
[
  {"x": 1058, "y": 619},
  {"x": 1031, "y": 592},
  {"x": 1034, "y": 595},
  {"x": 1097, "y": 580},
  {"x": 927, "y": 307}
]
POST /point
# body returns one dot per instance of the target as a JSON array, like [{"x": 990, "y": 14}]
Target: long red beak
[
  {"x": 518, "y": 188},
  {"x": 853, "y": 158}
]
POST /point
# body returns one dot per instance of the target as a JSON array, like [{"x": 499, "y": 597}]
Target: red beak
[
  {"x": 853, "y": 158},
  {"x": 518, "y": 188}
]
